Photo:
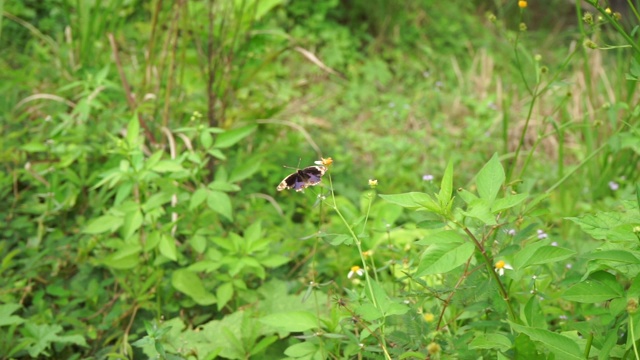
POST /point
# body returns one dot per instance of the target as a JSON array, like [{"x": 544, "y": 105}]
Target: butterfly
[{"x": 301, "y": 179}]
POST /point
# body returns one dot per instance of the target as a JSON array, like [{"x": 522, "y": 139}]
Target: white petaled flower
[
  {"x": 355, "y": 270},
  {"x": 542, "y": 234},
  {"x": 501, "y": 266}
]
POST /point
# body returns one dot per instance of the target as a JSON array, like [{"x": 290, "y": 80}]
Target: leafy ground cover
[{"x": 480, "y": 197}]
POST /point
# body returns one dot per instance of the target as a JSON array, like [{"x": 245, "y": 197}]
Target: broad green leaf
[
  {"x": 190, "y": 284},
  {"x": 490, "y": 341},
  {"x": 198, "y": 197},
  {"x": 613, "y": 255},
  {"x": 103, "y": 224},
  {"x": 224, "y": 293},
  {"x": 442, "y": 258},
  {"x": 441, "y": 237},
  {"x": 245, "y": 169},
  {"x": 167, "y": 247},
  {"x": 33, "y": 147},
  {"x": 291, "y": 321},
  {"x": 562, "y": 346},
  {"x": 615, "y": 226},
  {"x": 133, "y": 132},
  {"x": 548, "y": 254},
  {"x": 206, "y": 139},
  {"x": 412, "y": 200},
  {"x": 481, "y": 210},
  {"x": 369, "y": 312},
  {"x": 165, "y": 166},
  {"x": 156, "y": 200},
  {"x": 301, "y": 350},
  {"x": 592, "y": 291},
  {"x": 132, "y": 222},
  {"x": 490, "y": 179},
  {"x": 223, "y": 186},
  {"x": 523, "y": 256},
  {"x": 508, "y": 202},
  {"x": 231, "y": 137},
  {"x": 446, "y": 187},
  {"x": 467, "y": 196},
  {"x": 5, "y": 314},
  {"x": 533, "y": 313},
  {"x": 220, "y": 203}
]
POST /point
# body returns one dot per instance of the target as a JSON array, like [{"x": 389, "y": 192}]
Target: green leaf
[
  {"x": 508, "y": 202},
  {"x": 446, "y": 188},
  {"x": 198, "y": 197},
  {"x": 442, "y": 258},
  {"x": 614, "y": 225},
  {"x": 412, "y": 200},
  {"x": 291, "y": 321},
  {"x": 103, "y": 224},
  {"x": 220, "y": 203},
  {"x": 622, "y": 256},
  {"x": 224, "y": 293},
  {"x": 593, "y": 290},
  {"x": 132, "y": 222},
  {"x": 190, "y": 284},
  {"x": 548, "y": 254},
  {"x": 490, "y": 179},
  {"x": 301, "y": 350},
  {"x": 156, "y": 201},
  {"x": 33, "y": 147},
  {"x": 167, "y": 247},
  {"x": 5, "y": 314},
  {"x": 245, "y": 169},
  {"x": 231, "y": 137},
  {"x": 480, "y": 209},
  {"x": 442, "y": 237},
  {"x": 170, "y": 166},
  {"x": 223, "y": 186},
  {"x": 562, "y": 346},
  {"x": 490, "y": 341},
  {"x": 133, "y": 132}
]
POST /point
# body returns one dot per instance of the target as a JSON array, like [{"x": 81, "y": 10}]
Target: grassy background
[{"x": 143, "y": 142}]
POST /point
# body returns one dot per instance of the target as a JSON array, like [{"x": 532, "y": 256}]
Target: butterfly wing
[{"x": 301, "y": 179}]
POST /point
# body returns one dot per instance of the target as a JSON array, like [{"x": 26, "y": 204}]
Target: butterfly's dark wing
[{"x": 301, "y": 179}]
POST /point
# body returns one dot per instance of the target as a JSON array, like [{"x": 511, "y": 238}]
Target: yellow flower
[
  {"x": 326, "y": 162},
  {"x": 373, "y": 183},
  {"x": 367, "y": 253},
  {"x": 501, "y": 266},
  {"x": 522, "y": 4},
  {"x": 428, "y": 317},
  {"x": 608, "y": 11},
  {"x": 433, "y": 348},
  {"x": 355, "y": 270}
]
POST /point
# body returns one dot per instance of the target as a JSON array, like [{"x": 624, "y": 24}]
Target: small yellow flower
[
  {"x": 428, "y": 317},
  {"x": 501, "y": 266},
  {"x": 367, "y": 253},
  {"x": 326, "y": 162},
  {"x": 522, "y": 4},
  {"x": 608, "y": 11},
  {"x": 433, "y": 348},
  {"x": 355, "y": 270},
  {"x": 373, "y": 183}
]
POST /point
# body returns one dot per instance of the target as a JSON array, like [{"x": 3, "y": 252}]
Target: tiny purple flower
[
  {"x": 563, "y": 317},
  {"x": 542, "y": 234},
  {"x": 613, "y": 185},
  {"x": 511, "y": 232},
  {"x": 427, "y": 177},
  {"x": 555, "y": 243}
]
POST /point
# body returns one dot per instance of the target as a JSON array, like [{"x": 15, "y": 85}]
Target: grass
[{"x": 142, "y": 147}]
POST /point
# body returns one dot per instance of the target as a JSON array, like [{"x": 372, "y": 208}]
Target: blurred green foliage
[{"x": 142, "y": 143}]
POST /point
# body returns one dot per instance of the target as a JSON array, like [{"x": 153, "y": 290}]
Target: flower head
[
  {"x": 325, "y": 162},
  {"x": 501, "y": 266},
  {"x": 522, "y": 4},
  {"x": 373, "y": 183},
  {"x": 511, "y": 232},
  {"x": 613, "y": 185},
  {"x": 542, "y": 234},
  {"x": 355, "y": 270},
  {"x": 427, "y": 177},
  {"x": 428, "y": 317}
]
